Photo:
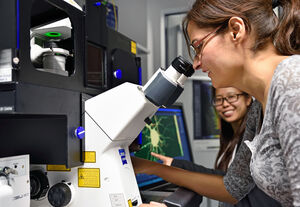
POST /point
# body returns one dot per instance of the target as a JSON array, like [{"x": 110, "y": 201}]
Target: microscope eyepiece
[
  {"x": 189, "y": 70},
  {"x": 183, "y": 66}
]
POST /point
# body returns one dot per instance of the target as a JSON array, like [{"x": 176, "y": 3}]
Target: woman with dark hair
[
  {"x": 231, "y": 106},
  {"x": 232, "y": 117},
  {"x": 242, "y": 43}
]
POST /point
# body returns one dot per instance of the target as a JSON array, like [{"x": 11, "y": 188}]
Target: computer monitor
[
  {"x": 167, "y": 136},
  {"x": 206, "y": 120}
]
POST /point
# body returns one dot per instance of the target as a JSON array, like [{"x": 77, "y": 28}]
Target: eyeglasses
[
  {"x": 218, "y": 101},
  {"x": 196, "y": 47}
]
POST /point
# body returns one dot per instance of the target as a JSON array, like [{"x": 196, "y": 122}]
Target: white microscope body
[{"x": 113, "y": 120}]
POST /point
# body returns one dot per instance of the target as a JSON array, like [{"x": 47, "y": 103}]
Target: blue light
[
  {"x": 97, "y": 4},
  {"x": 80, "y": 132},
  {"x": 174, "y": 110},
  {"x": 18, "y": 24},
  {"x": 140, "y": 138},
  {"x": 140, "y": 75},
  {"x": 118, "y": 74}
]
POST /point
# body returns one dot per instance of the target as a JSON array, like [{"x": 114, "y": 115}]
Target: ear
[
  {"x": 248, "y": 100},
  {"x": 237, "y": 29}
]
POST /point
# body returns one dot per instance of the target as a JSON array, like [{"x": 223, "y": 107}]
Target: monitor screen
[
  {"x": 206, "y": 120},
  {"x": 167, "y": 135}
]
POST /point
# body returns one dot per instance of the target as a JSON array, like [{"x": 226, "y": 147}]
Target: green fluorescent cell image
[{"x": 162, "y": 137}]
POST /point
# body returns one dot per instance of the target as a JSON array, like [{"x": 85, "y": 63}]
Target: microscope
[{"x": 113, "y": 120}]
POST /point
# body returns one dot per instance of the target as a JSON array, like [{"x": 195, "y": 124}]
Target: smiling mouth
[{"x": 228, "y": 113}]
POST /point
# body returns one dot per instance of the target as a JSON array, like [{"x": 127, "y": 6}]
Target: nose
[
  {"x": 197, "y": 63},
  {"x": 225, "y": 103}
]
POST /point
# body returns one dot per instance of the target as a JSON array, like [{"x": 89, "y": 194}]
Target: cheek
[
  {"x": 215, "y": 58},
  {"x": 209, "y": 57},
  {"x": 241, "y": 112},
  {"x": 214, "y": 50}
]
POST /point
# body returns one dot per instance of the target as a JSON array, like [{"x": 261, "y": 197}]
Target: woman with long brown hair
[{"x": 243, "y": 44}]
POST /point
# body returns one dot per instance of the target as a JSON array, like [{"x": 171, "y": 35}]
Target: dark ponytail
[{"x": 287, "y": 37}]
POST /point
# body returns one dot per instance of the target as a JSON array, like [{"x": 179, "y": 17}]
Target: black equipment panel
[{"x": 34, "y": 96}]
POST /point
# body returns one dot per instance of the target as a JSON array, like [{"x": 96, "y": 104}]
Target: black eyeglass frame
[{"x": 226, "y": 98}]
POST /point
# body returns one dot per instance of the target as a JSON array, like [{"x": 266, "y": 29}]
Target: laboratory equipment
[
  {"x": 53, "y": 57},
  {"x": 113, "y": 120}
]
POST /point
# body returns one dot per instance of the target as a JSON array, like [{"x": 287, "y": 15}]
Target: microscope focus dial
[{"x": 61, "y": 194}]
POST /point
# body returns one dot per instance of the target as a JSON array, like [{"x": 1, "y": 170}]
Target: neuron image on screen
[{"x": 167, "y": 136}]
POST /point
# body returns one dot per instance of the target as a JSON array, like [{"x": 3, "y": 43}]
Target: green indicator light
[{"x": 52, "y": 34}]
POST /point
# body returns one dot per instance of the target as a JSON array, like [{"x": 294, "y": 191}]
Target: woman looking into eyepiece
[{"x": 243, "y": 44}]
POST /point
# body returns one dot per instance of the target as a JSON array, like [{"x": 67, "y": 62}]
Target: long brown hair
[
  {"x": 228, "y": 140},
  {"x": 258, "y": 16}
]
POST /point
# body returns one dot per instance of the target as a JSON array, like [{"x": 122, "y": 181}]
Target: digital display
[{"x": 167, "y": 136}]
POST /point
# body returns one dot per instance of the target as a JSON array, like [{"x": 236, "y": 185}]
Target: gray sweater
[{"x": 273, "y": 149}]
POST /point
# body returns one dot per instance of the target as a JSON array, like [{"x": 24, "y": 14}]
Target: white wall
[{"x": 155, "y": 9}]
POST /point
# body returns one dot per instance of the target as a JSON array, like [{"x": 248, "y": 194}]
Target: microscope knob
[
  {"x": 118, "y": 74},
  {"x": 80, "y": 132},
  {"x": 60, "y": 194}
]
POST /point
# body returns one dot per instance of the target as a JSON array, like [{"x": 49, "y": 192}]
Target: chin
[
  {"x": 216, "y": 84},
  {"x": 229, "y": 119},
  {"x": 219, "y": 84}
]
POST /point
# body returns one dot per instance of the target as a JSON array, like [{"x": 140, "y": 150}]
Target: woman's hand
[
  {"x": 166, "y": 160},
  {"x": 153, "y": 204}
]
